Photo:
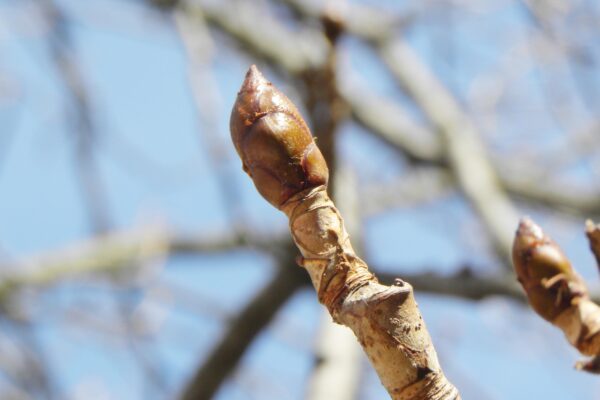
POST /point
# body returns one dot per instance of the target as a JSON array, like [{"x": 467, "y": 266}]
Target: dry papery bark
[
  {"x": 288, "y": 169},
  {"x": 555, "y": 290}
]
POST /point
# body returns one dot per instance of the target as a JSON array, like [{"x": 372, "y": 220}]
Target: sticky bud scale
[
  {"x": 273, "y": 141},
  {"x": 549, "y": 280}
]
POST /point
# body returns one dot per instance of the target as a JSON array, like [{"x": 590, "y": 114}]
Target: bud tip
[
  {"x": 590, "y": 226},
  {"x": 254, "y": 78},
  {"x": 529, "y": 228}
]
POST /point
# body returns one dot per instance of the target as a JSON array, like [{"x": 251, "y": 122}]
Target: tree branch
[
  {"x": 242, "y": 330},
  {"x": 465, "y": 152},
  {"x": 81, "y": 122},
  {"x": 113, "y": 251},
  {"x": 288, "y": 170},
  {"x": 391, "y": 123}
]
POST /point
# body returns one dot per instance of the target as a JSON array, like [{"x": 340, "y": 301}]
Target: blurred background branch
[{"x": 444, "y": 121}]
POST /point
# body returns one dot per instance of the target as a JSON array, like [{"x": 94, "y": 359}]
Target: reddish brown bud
[
  {"x": 274, "y": 142},
  {"x": 546, "y": 274},
  {"x": 592, "y": 231}
]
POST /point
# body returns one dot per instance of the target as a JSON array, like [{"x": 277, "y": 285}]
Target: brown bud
[
  {"x": 592, "y": 231},
  {"x": 546, "y": 274},
  {"x": 274, "y": 142}
]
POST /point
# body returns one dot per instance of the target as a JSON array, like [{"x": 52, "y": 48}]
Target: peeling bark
[{"x": 279, "y": 154}]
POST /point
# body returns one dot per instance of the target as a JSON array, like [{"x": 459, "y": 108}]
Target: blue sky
[{"x": 155, "y": 161}]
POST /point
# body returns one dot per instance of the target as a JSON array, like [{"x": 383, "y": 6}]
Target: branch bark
[
  {"x": 241, "y": 332},
  {"x": 112, "y": 252},
  {"x": 465, "y": 152},
  {"x": 82, "y": 125}
]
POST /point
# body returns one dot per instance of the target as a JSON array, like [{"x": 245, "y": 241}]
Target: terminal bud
[{"x": 273, "y": 141}]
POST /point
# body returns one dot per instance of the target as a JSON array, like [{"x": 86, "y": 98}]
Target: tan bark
[{"x": 279, "y": 154}]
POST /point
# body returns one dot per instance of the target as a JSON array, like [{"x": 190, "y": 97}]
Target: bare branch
[
  {"x": 199, "y": 47},
  {"x": 294, "y": 52},
  {"x": 464, "y": 284},
  {"x": 81, "y": 121},
  {"x": 242, "y": 330},
  {"x": 279, "y": 154},
  {"x": 463, "y": 149},
  {"x": 393, "y": 124},
  {"x": 416, "y": 186},
  {"x": 390, "y": 122},
  {"x": 337, "y": 365},
  {"x": 466, "y": 153},
  {"x": 112, "y": 252}
]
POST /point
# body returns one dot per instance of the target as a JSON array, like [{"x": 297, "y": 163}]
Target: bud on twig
[
  {"x": 274, "y": 142},
  {"x": 544, "y": 271},
  {"x": 592, "y": 231},
  {"x": 556, "y": 292},
  {"x": 287, "y": 168}
]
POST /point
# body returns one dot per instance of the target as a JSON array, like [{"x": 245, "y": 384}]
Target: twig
[
  {"x": 112, "y": 252},
  {"x": 82, "y": 123},
  {"x": 288, "y": 170},
  {"x": 465, "y": 152},
  {"x": 242, "y": 330}
]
